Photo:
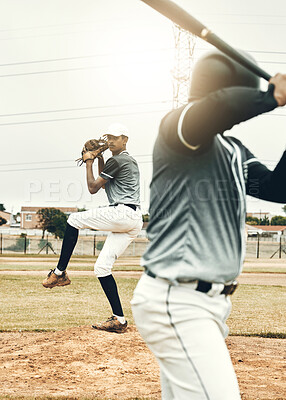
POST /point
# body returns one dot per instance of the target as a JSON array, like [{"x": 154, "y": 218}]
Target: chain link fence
[
  {"x": 86, "y": 245},
  {"x": 256, "y": 247},
  {"x": 266, "y": 246}
]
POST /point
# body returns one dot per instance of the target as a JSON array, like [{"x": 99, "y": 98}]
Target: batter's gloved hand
[{"x": 92, "y": 149}]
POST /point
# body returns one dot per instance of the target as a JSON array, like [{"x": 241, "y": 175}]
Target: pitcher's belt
[
  {"x": 133, "y": 206},
  {"x": 203, "y": 286}
]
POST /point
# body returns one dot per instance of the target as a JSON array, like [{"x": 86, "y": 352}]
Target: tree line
[{"x": 53, "y": 220}]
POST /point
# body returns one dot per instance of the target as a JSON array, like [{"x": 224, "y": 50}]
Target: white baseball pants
[
  {"x": 123, "y": 224},
  {"x": 185, "y": 329}
]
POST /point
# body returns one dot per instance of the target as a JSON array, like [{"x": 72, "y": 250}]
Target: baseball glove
[{"x": 92, "y": 149}]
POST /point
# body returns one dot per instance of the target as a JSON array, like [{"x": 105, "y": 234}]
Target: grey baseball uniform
[
  {"x": 196, "y": 232},
  {"x": 123, "y": 218},
  {"x": 123, "y": 179}
]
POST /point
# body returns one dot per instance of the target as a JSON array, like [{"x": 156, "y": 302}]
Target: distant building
[
  {"x": 259, "y": 215},
  {"x": 266, "y": 230},
  {"x": 29, "y": 217},
  {"x": 8, "y": 216}
]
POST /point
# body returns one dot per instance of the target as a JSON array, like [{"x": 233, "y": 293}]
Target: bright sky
[{"x": 68, "y": 69}]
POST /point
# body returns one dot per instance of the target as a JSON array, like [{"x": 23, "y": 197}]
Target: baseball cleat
[
  {"x": 111, "y": 325},
  {"x": 53, "y": 280}
]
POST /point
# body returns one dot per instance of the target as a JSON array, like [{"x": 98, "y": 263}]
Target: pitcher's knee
[
  {"x": 133, "y": 233},
  {"x": 78, "y": 220},
  {"x": 72, "y": 220},
  {"x": 102, "y": 270}
]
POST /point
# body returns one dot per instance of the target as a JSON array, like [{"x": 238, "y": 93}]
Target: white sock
[
  {"x": 120, "y": 319},
  {"x": 58, "y": 272}
]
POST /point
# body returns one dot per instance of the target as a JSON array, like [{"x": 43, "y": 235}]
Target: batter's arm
[
  {"x": 223, "y": 109},
  {"x": 93, "y": 184},
  {"x": 265, "y": 184},
  {"x": 194, "y": 126}
]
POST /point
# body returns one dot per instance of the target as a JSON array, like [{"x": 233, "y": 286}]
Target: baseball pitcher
[
  {"x": 122, "y": 218},
  {"x": 200, "y": 181}
]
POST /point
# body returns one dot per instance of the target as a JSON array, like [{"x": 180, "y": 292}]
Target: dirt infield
[
  {"x": 84, "y": 363},
  {"x": 81, "y": 363}
]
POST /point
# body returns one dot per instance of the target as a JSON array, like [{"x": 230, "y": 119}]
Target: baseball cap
[{"x": 117, "y": 129}]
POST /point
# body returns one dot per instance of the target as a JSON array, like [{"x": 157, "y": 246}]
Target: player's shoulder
[
  {"x": 172, "y": 117},
  {"x": 111, "y": 160},
  {"x": 124, "y": 158},
  {"x": 120, "y": 157},
  {"x": 232, "y": 139},
  {"x": 235, "y": 142},
  {"x": 168, "y": 130},
  {"x": 246, "y": 154},
  {"x": 170, "y": 139}
]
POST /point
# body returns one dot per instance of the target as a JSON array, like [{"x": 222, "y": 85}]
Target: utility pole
[{"x": 184, "y": 50}]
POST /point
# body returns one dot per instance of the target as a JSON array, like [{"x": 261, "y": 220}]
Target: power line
[
  {"x": 271, "y": 62},
  {"x": 247, "y": 23},
  {"x": 101, "y": 66},
  {"x": 140, "y": 20},
  {"x": 275, "y": 115},
  {"x": 62, "y": 167},
  {"x": 74, "y": 166},
  {"x": 87, "y": 108},
  {"x": 66, "y": 24},
  {"x": 103, "y": 116},
  {"x": 60, "y": 161},
  {"x": 246, "y": 15},
  {"x": 121, "y": 53},
  {"x": 266, "y": 162},
  {"x": 250, "y": 51},
  {"x": 87, "y": 117},
  {"x": 266, "y": 52},
  {"x": 137, "y": 26},
  {"x": 125, "y": 27},
  {"x": 82, "y": 68},
  {"x": 87, "y": 56}
]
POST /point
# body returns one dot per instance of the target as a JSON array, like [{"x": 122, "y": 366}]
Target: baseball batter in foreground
[
  {"x": 122, "y": 218},
  {"x": 197, "y": 216}
]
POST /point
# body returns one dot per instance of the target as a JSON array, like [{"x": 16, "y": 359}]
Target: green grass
[
  {"x": 267, "y": 335},
  {"x": 265, "y": 265},
  {"x": 277, "y": 269},
  {"x": 52, "y": 256},
  {"x": 85, "y": 263},
  {"x": 27, "y": 306},
  {"x": 258, "y": 310},
  {"x": 77, "y": 263}
]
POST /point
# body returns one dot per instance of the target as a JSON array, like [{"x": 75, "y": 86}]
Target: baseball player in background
[
  {"x": 122, "y": 218},
  {"x": 197, "y": 216}
]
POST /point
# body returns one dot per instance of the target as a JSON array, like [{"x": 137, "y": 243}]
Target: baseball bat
[{"x": 186, "y": 21}]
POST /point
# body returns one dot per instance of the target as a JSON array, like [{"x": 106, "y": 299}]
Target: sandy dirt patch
[{"x": 82, "y": 362}]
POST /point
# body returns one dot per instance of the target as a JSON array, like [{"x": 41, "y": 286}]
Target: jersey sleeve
[
  {"x": 193, "y": 127},
  {"x": 110, "y": 169},
  {"x": 265, "y": 184}
]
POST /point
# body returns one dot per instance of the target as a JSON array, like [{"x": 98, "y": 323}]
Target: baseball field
[{"x": 48, "y": 349}]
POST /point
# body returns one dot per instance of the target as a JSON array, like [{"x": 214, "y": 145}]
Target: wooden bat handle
[{"x": 186, "y": 21}]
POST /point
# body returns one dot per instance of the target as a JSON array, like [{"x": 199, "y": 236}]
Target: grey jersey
[
  {"x": 123, "y": 179},
  {"x": 198, "y": 193},
  {"x": 197, "y": 212}
]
